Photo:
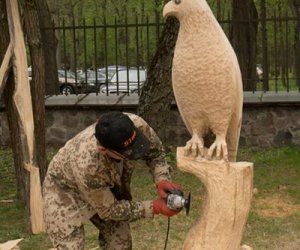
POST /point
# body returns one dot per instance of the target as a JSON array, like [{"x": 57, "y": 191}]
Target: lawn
[{"x": 274, "y": 220}]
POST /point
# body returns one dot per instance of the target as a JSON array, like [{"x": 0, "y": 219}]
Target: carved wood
[
  {"x": 10, "y": 245},
  {"x": 5, "y": 66},
  {"x": 207, "y": 86},
  {"x": 224, "y": 214},
  {"x": 22, "y": 100},
  {"x": 206, "y": 80}
]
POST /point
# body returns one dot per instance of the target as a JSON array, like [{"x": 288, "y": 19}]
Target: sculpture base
[{"x": 229, "y": 188}]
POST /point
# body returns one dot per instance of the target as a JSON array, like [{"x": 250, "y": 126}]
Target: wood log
[
  {"x": 225, "y": 210},
  {"x": 22, "y": 95},
  {"x": 36, "y": 200},
  {"x": 23, "y": 103},
  {"x": 5, "y": 67},
  {"x": 10, "y": 245}
]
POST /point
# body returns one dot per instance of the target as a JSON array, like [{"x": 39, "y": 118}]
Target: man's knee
[
  {"x": 115, "y": 235},
  {"x": 73, "y": 241},
  {"x": 121, "y": 242}
]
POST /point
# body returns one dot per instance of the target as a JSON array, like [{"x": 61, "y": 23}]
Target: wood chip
[{"x": 6, "y": 201}]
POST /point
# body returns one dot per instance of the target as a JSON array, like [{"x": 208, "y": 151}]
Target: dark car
[
  {"x": 69, "y": 83},
  {"x": 76, "y": 84},
  {"x": 93, "y": 79}
]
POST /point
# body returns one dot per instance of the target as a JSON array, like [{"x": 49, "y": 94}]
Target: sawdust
[{"x": 278, "y": 205}]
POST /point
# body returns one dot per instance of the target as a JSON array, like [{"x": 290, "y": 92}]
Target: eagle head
[{"x": 181, "y": 8}]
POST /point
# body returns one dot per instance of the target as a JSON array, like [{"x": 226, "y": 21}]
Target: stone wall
[
  {"x": 270, "y": 126},
  {"x": 262, "y": 126}
]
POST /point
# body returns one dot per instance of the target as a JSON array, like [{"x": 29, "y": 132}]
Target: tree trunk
[
  {"x": 243, "y": 39},
  {"x": 264, "y": 37},
  {"x": 295, "y": 7},
  {"x": 282, "y": 47},
  {"x": 23, "y": 109},
  {"x": 157, "y": 93},
  {"x": 225, "y": 210},
  {"x": 219, "y": 10},
  {"x": 37, "y": 88},
  {"x": 49, "y": 45},
  {"x": 22, "y": 176}
]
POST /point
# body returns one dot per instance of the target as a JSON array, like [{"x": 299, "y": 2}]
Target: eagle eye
[{"x": 177, "y": 1}]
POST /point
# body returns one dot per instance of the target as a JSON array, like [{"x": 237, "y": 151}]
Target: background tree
[
  {"x": 243, "y": 38},
  {"x": 38, "y": 59},
  {"x": 157, "y": 94},
  {"x": 264, "y": 37},
  {"x": 295, "y": 7},
  {"x": 22, "y": 176},
  {"x": 10, "y": 109},
  {"x": 34, "y": 34},
  {"x": 48, "y": 43}
]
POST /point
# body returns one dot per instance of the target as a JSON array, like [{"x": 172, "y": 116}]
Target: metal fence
[
  {"x": 112, "y": 48},
  {"x": 276, "y": 53}
]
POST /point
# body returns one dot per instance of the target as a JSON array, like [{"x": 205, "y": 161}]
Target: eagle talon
[
  {"x": 194, "y": 147},
  {"x": 220, "y": 147}
]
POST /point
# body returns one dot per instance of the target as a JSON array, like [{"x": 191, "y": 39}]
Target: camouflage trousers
[{"x": 113, "y": 235}]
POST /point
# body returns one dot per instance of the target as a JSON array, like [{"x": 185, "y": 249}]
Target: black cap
[{"x": 116, "y": 131}]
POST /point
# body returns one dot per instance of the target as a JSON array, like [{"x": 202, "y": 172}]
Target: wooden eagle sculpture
[{"x": 206, "y": 80}]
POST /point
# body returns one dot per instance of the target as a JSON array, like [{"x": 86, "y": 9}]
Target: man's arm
[
  {"x": 95, "y": 183},
  {"x": 156, "y": 157},
  {"x": 109, "y": 208}
]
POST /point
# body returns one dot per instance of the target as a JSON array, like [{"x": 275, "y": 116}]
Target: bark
[
  {"x": 264, "y": 37},
  {"x": 34, "y": 36},
  {"x": 49, "y": 46},
  {"x": 22, "y": 176},
  {"x": 243, "y": 38},
  {"x": 5, "y": 67},
  {"x": 295, "y": 7},
  {"x": 4, "y": 38},
  {"x": 157, "y": 94}
]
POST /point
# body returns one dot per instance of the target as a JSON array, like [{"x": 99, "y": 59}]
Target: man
[{"x": 89, "y": 178}]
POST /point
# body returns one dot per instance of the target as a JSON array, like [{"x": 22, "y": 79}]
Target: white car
[
  {"x": 125, "y": 81},
  {"x": 111, "y": 70}
]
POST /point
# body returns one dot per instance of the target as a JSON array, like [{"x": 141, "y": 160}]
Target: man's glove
[
  {"x": 160, "y": 207},
  {"x": 164, "y": 187}
]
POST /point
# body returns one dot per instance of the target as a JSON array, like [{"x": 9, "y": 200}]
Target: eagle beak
[{"x": 168, "y": 9}]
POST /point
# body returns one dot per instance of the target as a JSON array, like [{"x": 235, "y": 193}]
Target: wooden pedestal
[{"x": 226, "y": 208}]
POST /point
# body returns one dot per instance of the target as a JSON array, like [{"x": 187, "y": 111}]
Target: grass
[
  {"x": 278, "y": 84},
  {"x": 273, "y": 223}
]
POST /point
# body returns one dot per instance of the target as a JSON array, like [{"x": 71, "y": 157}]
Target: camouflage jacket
[{"x": 79, "y": 180}]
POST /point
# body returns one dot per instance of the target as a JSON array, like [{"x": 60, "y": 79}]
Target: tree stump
[{"x": 229, "y": 188}]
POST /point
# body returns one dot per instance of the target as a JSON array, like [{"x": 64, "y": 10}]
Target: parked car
[
  {"x": 69, "y": 83},
  {"x": 90, "y": 78},
  {"x": 111, "y": 70},
  {"x": 125, "y": 81}
]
